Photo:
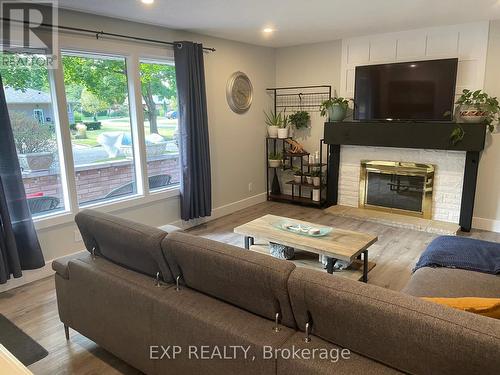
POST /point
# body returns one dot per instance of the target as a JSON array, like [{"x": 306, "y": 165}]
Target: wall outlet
[
  {"x": 78, "y": 236},
  {"x": 250, "y": 186}
]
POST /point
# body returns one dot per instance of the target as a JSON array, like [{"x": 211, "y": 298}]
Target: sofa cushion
[
  {"x": 112, "y": 306},
  {"x": 398, "y": 330},
  {"x": 337, "y": 361},
  {"x": 483, "y": 306},
  {"x": 60, "y": 265},
  {"x": 448, "y": 282},
  {"x": 254, "y": 282},
  {"x": 192, "y": 321},
  {"x": 132, "y": 245}
]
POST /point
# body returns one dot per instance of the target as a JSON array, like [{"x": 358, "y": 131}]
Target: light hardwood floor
[{"x": 33, "y": 307}]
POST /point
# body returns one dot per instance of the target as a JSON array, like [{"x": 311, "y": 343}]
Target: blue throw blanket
[{"x": 460, "y": 252}]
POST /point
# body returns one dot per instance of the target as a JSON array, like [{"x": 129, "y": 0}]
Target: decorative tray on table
[{"x": 302, "y": 229}]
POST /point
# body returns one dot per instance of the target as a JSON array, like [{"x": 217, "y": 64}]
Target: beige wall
[
  {"x": 236, "y": 141},
  {"x": 311, "y": 64},
  {"x": 487, "y": 209}
]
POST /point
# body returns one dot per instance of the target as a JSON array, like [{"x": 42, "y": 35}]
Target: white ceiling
[{"x": 295, "y": 21}]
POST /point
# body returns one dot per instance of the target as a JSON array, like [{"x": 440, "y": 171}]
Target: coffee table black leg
[
  {"x": 365, "y": 266},
  {"x": 330, "y": 262},
  {"x": 249, "y": 241}
]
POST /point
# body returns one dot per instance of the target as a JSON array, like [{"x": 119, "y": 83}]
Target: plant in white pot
[
  {"x": 297, "y": 175},
  {"x": 35, "y": 143},
  {"x": 335, "y": 108},
  {"x": 283, "y": 128},
  {"x": 275, "y": 160},
  {"x": 273, "y": 122},
  {"x": 309, "y": 178},
  {"x": 316, "y": 178},
  {"x": 475, "y": 107}
]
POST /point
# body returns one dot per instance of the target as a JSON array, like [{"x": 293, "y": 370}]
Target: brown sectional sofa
[{"x": 229, "y": 297}]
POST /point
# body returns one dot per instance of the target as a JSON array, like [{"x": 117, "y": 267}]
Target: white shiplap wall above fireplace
[{"x": 468, "y": 43}]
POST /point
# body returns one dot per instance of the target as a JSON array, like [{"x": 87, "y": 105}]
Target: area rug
[{"x": 23, "y": 347}]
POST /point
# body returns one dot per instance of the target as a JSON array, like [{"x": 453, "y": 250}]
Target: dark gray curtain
[
  {"x": 19, "y": 246},
  {"x": 196, "y": 187}
]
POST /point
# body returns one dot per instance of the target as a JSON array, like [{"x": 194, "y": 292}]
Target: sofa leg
[{"x": 66, "y": 332}]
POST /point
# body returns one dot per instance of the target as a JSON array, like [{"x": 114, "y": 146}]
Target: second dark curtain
[
  {"x": 196, "y": 188},
  {"x": 19, "y": 246}
]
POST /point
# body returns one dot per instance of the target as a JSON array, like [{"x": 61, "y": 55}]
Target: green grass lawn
[{"x": 166, "y": 129}]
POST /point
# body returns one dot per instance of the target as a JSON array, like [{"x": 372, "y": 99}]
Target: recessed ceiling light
[
  {"x": 147, "y": 1},
  {"x": 268, "y": 30}
]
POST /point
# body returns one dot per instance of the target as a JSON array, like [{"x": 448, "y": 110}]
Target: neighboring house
[{"x": 33, "y": 103}]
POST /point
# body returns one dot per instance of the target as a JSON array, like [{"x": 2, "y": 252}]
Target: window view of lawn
[{"x": 101, "y": 128}]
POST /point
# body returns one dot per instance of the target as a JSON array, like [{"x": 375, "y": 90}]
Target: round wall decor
[{"x": 239, "y": 92}]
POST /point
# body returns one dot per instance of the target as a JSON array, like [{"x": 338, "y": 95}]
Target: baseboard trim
[
  {"x": 30, "y": 276},
  {"x": 486, "y": 224},
  {"x": 223, "y": 211}
]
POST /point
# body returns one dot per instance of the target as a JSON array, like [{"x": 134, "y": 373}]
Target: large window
[
  {"x": 159, "y": 99},
  {"x": 29, "y": 101},
  {"x": 101, "y": 132},
  {"x": 84, "y": 108}
]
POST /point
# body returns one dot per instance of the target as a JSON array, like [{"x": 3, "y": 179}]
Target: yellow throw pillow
[{"x": 483, "y": 306}]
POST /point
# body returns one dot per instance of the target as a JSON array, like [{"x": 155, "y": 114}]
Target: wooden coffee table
[{"x": 338, "y": 244}]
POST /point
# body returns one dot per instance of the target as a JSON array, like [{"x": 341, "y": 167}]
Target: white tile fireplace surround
[{"x": 448, "y": 179}]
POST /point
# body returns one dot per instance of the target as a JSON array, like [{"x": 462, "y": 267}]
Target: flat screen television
[{"x": 418, "y": 90}]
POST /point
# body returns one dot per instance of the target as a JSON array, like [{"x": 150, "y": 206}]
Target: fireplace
[{"x": 399, "y": 187}]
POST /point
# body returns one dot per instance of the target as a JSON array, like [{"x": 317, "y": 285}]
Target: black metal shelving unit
[
  {"x": 299, "y": 98},
  {"x": 301, "y": 191}
]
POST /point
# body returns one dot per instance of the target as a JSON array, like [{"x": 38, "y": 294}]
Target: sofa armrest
[{"x": 60, "y": 265}]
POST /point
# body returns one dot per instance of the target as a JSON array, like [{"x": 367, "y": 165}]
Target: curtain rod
[{"x": 99, "y": 34}]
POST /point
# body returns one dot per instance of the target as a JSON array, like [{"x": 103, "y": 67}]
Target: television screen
[{"x": 419, "y": 90}]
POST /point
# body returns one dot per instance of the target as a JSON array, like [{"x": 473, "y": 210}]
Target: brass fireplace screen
[{"x": 398, "y": 187}]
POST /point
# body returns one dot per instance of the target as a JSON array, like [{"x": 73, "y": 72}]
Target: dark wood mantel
[{"x": 417, "y": 135}]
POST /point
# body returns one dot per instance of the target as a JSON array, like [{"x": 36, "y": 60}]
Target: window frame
[
  {"x": 133, "y": 53},
  {"x": 44, "y": 217},
  {"x": 150, "y": 60}
]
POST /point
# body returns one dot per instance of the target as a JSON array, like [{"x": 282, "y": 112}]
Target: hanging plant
[{"x": 300, "y": 119}]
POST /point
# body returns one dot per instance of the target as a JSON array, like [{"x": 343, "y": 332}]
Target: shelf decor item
[
  {"x": 283, "y": 129},
  {"x": 335, "y": 108},
  {"x": 302, "y": 229},
  {"x": 275, "y": 160},
  {"x": 297, "y": 176},
  {"x": 239, "y": 92},
  {"x": 475, "y": 107},
  {"x": 281, "y": 251},
  {"x": 316, "y": 178},
  {"x": 300, "y": 120},
  {"x": 316, "y": 195},
  {"x": 273, "y": 122}
]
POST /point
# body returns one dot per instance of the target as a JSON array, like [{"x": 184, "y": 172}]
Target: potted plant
[
  {"x": 475, "y": 107},
  {"x": 35, "y": 143},
  {"x": 297, "y": 175},
  {"x": 273, "y": 122},
  {"x": 274, "y": 160},
  {"x": 300, "y": 120},
  {"x": 283, "y": 127},
  {"x": 309, "y": 178},
  {"x": 336, "y": 108},
  {"x": 316, "y": 178}
]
